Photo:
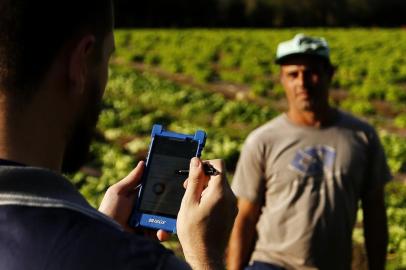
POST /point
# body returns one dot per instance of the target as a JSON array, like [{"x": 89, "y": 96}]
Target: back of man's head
[{"x": 33, "y": 32}]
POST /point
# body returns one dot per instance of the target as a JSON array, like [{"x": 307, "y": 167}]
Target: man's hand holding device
[
  {"x": 161, "y": 191},
  {"x": 118, "y": 201},
  {"x": 206, "y": 216},
  {"x": 207, "y": 207}
]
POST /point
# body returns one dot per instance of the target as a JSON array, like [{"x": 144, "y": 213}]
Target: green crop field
[{"x": 226, "y": 83}]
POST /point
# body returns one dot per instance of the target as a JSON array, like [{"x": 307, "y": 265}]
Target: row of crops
[
  {"x": 370, "y": 82},
  {"x": 371, "y": 63}
]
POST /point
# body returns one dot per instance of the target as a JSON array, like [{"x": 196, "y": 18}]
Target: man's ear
[{"x": 78, "y": 62}]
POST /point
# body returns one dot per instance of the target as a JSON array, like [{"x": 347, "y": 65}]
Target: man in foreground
[
  {"x": 300, "y": 176},
  {"x": 53, "y": 70}
]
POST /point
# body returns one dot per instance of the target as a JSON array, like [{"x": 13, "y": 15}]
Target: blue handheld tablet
[{"x": 162, "y": 189}]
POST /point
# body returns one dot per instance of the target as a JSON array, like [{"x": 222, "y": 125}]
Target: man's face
[
  {"x": 306, "y": 82},
  {"x": 78, "y": 146}
]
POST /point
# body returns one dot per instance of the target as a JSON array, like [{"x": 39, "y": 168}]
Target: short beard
[
  {"x": 77, "y": 149},
  {"x": 305, "y": 106}
]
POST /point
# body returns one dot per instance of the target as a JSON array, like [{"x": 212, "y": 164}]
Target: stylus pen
[{"x": 208, "y": 170}]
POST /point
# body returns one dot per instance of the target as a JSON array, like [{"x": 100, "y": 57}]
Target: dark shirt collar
[
  {"x": 39, "y": 185},
  {"x": 39, "y": 182},
  {"x": 5, "y": 162}
]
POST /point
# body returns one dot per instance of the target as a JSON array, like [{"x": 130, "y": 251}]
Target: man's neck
[
  {"x": 313, "y": 119},
  {"x": 23, "y": 140}
]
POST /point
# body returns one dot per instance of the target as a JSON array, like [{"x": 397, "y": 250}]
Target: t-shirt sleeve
[
  {"x": 248, "y": 180},
  {"x": 378, "y": 172}
]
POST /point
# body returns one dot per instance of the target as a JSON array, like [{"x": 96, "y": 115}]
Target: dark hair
[
  {"x": 293, "y": 56},
  {"x": 33, "y": 32},
  {"x": 327, "y": 65}
]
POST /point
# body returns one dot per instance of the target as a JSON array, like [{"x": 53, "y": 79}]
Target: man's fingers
[
  {"x": 196, "y": 180},
  {"x": 218, "y": 186},
  {"x": 218, "y": 164},
  {"x": 131, "y": 181},
  {"x": 162, "y": 235},
  {"x": 185, "y": 184}
]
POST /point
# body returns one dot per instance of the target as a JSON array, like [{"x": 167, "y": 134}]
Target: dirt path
[
  {"x": 228, "y": 90},
  {"x": 242, "y": 92}
]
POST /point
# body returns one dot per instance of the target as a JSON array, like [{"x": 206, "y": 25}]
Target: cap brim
[{"x": 285, "y": 58}]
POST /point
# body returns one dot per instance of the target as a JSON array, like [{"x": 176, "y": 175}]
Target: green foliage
[
  {"x": 359, "y": 107},
  {"x": 395, "y": 148},
  {"x": 396, "y": 211},
  {"x": 400, "y": 121},
  {"x": 395, "y": 201},
  {"x": 113, "y": 165},
  {"x": 368, "y": 65}
]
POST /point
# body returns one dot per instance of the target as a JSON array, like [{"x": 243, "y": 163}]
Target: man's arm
[
  {"x": 375, "y": 228},
  {"x": 243, "y": 235}
]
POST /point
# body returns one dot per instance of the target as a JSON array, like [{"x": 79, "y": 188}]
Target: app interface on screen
[{"x": 163, "y": 190}]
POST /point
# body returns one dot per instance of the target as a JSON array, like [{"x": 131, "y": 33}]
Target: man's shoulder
[
  {"x": 56, "y": 236},
  {"x": 50, "y": 223},
  {"x": 103, "y": 238},
  {"x": 349, "y": 121},
  {"x": 268, "y": 129}
]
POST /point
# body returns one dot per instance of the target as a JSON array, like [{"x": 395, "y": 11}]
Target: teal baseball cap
[{"x": 303, "y": 45}]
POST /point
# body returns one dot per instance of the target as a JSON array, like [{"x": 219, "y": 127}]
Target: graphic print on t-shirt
[{"x": 314, "y": 160}]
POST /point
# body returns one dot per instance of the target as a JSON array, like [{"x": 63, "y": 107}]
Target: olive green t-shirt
[{"x": 309, "y": 182}]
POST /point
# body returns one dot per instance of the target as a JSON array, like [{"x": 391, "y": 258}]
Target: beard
[
  {"x": 306, "y": 106},
  {"x": 77, "y": 149}
]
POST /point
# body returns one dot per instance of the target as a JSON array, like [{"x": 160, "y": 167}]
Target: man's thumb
[{"x": 196, "y": 180}]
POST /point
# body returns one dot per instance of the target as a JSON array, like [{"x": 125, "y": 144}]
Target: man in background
[
  {"x": 301, "y": 176},
  {"x": 53, "y": 71}
]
